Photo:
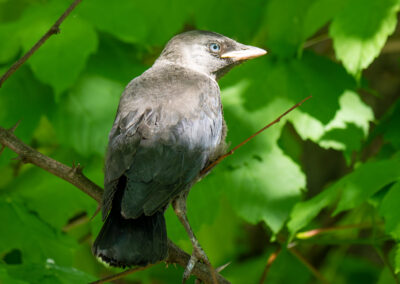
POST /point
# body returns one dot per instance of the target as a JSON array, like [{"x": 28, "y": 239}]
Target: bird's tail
[{"x": 128, "y": 242}]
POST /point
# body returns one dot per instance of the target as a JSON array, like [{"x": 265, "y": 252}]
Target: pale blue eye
[{"x": 215, "y": 47}]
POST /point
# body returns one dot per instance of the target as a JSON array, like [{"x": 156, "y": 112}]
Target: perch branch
[
  {"x": 221, "y": 158},
  {"x": 55, "y": 29},
  {"x": 75, "y": 176},
  {"x": 72, "y": 175}
]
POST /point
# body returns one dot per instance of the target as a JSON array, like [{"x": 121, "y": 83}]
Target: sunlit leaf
[{"x": 360, "y": 31}]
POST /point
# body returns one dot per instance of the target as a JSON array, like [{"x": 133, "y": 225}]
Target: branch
[
  {"x": 221, "y": 158},
  {"x": 75, "y": 176},
  {"x": 72, "y": 175},
  {"x": 55, "y": 29}
]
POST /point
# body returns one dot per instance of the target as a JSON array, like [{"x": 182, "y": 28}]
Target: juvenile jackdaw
[{"x": 169, "y": 126}]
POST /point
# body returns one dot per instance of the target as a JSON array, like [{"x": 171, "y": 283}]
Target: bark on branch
[{"x": 75, "y": 176}]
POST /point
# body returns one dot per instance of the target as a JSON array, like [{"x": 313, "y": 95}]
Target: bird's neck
[{"x": 194, "y": 68}]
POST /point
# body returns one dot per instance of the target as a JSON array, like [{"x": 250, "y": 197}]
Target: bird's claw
[
  {"x": 189, "y": 268},
  {"x": 198, "y": 254}
]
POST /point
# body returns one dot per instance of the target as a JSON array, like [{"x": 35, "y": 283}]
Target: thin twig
[
  {"x": 270, "y": 260},
  {"x": 55, "y": 28},
  {"x": 307, "y": 264},
  {"x": 315, "y": 232},
  {"x": 122, "y": 274},
  {"x": 316, "y": 40},
  {"x": 340, "y": 242},
  {"x": 75, "y": 176},
  {"x": 221, "y": 158}
]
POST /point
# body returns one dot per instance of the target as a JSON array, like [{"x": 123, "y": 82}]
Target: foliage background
[{"x": 333, "y": 162}]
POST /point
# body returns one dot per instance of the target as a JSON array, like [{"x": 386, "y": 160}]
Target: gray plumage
[{"x": 169, "y": 126}]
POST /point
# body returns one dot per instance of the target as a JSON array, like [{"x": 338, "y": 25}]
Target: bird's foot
[{"x": 198, "y": 254}]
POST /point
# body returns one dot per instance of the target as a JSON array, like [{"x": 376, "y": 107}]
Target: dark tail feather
[{"x": 128, "y": 242}]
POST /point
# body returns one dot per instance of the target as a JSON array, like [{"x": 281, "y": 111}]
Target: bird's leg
[{"x": 179, "y": 205}]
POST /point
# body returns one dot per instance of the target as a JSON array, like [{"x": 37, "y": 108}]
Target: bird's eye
[{"x": 215, "y": 47}]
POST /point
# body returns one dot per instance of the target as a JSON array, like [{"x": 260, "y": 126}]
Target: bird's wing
[{"x": 157, "y": 151}]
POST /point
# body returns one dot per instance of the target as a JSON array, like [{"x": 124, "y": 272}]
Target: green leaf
[
  {"x": 55, "y": 200},
  {"x": 386, "y": 277},
  {"x": 283, "y": 22},
  {"x": 265, "y": 190},
  {"x": 23, "y": 98},
  {"x": 360, "y": 31},
  {"x": 136, "y": 21},
  {"x": 214, "y": 16},
  {"x": 49, "y": 273},
  {"x": 116, "y": 60},
  {"x": 304, "y": 212},
  {"x": 267, "y": 79},
  {"x": 319, "y": 13},
  {"x": 11, "y": 10},
  {"x": 344, "y": 132},
  {"x": 60, "y": 61},
  {"x": 263, "y": 183},
  {"x": 10, "y": 46},
  {"x": 366, "y": 180},
  {"x": 36, "y": 240},
  {"x": 85, "y": 116},
  {"x": 346, "y": 139},
  {"x": 353, "y": 189},
  {"x": 389, "y": 210},
  {"x": 314, "y": 74},
  {"x": 7, "y": 279},
  {"x": 352, "y": 111}
]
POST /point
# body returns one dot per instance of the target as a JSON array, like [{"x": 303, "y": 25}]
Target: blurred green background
[{"x": 333, "y": 163}]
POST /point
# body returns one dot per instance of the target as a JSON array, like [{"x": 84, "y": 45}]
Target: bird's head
[{"x": 207, "y": 52}]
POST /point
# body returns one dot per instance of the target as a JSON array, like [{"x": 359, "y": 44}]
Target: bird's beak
[{"x": 246, "y": 52}]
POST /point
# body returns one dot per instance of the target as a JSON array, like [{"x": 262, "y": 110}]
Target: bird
[{"x": 169, "y": 127}]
